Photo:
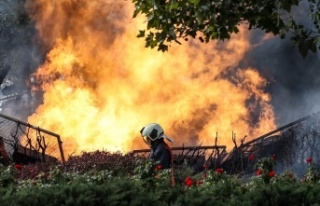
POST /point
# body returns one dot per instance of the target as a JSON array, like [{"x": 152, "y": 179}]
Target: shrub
[{"x": 148, "y": 184}]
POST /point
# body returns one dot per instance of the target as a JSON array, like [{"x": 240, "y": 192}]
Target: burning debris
[
  {"x": 23, "y": 143},
  {"x": 290, "y": 145}
]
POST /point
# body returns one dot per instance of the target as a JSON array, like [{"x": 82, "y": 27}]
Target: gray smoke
[
  {"x": 19, "y": 50},
  {"x": 294, "y": 81}
]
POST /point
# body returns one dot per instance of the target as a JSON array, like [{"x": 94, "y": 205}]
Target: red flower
[
  {"x": 271, "y": 173},
  {"x": 188, "y": 181},
  {"x": 19, "y": 167},
  {"x": 309, "y": 159},
  {"x": 219, "y": 170},
  {"x": 274, "y": 157},
  {"x": 158, "y": 167},
  {"x": 259, "y": 172},
  {"x": 251, "y": 157}
]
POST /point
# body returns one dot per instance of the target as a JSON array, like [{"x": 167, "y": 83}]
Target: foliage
[
  {"x": 172, "y": 20},
  {"x": 150, "y": 184},
  {"x": 312, "y": 174},
  {"x": 265, "y": 168},
  {"x": 7, "y": 176},
  {"x": 102, "y": 160}
]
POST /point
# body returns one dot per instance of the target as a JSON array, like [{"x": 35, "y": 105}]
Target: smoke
[
  {"x": 19, "y": 49},
  {"x": 294, "y": 81}
]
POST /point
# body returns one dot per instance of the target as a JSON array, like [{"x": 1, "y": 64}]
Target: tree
[{"x": 172, "y": 20}]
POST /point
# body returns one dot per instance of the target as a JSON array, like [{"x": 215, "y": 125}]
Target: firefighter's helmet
[{"x": 152, "y": 132}]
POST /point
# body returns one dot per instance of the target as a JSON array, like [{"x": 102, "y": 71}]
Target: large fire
[{"x": 101, "y": 85}]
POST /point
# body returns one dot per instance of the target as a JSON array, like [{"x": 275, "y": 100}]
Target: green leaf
[
  {"x": 163, "y": 47},
  {"x": 173, "y": 5},
  {"x": 286, "y": 6},
  {"x": 204, "y": 8},
  {"x": 303, "y": 49},
  {"x": 195, "y": 2},
  {"x": 312, "y": 45},
  {"x": 141, "y": 33},
  {"x": 199, "y": 17},
  {"x": 150, "y": 17},
  {"x": 136, "y": 12},
  {"x": 235, "y": 29}
]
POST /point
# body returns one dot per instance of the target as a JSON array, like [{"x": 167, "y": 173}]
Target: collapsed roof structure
[{"x": 291, "y": 144}]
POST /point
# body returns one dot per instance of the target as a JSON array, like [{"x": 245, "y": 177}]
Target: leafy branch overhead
[{"x": 173, "y": 20}]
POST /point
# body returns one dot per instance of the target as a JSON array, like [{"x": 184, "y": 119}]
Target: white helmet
[{"x": 152, "y": 132}]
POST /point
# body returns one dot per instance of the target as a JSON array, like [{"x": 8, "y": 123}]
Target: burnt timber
[{"x": 291, "y": 143}]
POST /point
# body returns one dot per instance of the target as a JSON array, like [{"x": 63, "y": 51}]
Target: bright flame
[{"x": 101, "y": 86}]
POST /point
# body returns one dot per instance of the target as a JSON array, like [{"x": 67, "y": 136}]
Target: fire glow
[{"x": 101, "y": 85}]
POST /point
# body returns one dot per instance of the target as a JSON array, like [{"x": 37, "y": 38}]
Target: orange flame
[{"x": 101, "y": 86}]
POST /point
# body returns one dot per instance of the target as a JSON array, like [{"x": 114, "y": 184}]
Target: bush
[{"x": 144, "y": 182}]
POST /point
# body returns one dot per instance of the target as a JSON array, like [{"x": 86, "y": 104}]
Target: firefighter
[{"x": 153, "y": 135}]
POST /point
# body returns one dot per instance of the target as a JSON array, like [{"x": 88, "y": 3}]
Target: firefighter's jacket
[{"x": 160, "y": 151}]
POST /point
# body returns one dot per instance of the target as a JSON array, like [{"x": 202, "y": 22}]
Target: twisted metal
[{"x": 27, "y": 143}]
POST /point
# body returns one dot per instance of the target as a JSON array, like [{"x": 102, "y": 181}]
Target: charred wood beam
[
  {"x": 189, "y": 153},
  {"x": 282, "y": 128},
  {"x": 191, "y": 148},
  {"x": 28, "y": 125}
]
